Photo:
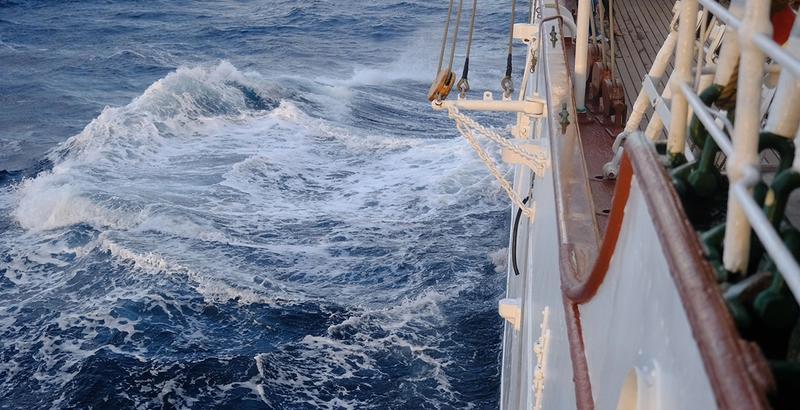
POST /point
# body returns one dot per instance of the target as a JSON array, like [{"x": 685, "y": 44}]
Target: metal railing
[{"x": 755, "y": 44}]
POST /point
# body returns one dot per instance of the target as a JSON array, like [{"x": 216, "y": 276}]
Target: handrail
[
  {"x": 713, "y": 129},
  {"x": 741, "y": 147},
  {"x": 783, "y": 258},
  {"x": 764, "y": 42},
  {"x": 579, "y": 239}
]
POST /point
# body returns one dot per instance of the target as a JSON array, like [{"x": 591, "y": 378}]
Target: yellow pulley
[{"x": 441, "y": 86}]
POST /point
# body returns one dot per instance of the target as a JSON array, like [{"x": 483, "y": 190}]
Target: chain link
[
  {"x": 466, "y": 126},
  {"x": 538, "y": 159}
]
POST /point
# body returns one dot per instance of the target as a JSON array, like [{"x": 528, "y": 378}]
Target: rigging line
[
  {"x": 530, "y": 11},
  {"x": 444, "y": 37},
  {"x": 465, "y": 73},
  {"x": 455, "y": 36},
  {"x": 603, "y": 45},
  {"x": 511, "y": 38},
  {"x": 613, "y": 30},
  {"x": 593, "y": 26}
]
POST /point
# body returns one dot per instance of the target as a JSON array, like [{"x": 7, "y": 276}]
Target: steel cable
[
  {"x": 444, "y": 37},
  {"x": 455, "y": 36}
]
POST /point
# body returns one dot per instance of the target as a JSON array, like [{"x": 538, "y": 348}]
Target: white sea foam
[
  {"x": 499, "y": 259},
  {"x": 188, "y": 184}
]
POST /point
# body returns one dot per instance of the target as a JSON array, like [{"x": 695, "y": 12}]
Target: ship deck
[{"x": 642, "y": 27}]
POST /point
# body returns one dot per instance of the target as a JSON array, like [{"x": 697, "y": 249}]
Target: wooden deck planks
[{"x": 644, "y": 25}]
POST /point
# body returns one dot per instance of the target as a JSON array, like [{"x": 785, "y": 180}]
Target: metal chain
[
  {"x": 460, "y": 118},
  {"x": 467, "y": 126},
  {"x": 529, "y": 211}
]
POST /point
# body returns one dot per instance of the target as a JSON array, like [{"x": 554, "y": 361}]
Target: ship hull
[{"x": 615, "y": 306}]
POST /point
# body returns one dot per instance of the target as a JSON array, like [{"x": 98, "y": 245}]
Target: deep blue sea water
[{"x": 243, "y": 204}]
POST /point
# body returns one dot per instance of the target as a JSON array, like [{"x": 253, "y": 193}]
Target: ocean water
[{"x": 243, "y": 205}]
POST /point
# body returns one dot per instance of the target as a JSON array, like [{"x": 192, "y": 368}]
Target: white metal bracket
[
  {"x": 533, "y": 106},
  {"x": 541, "y": 350},
  {"x": 656, "y": 100},
  {"x": 511, "y": 310},
  {"x": 526, "y": 32}
]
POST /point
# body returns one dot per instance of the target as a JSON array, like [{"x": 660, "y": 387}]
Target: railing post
[
  {"x": 581, "y": 51},
  {"x": 729, "y": 54},
  {"x": 682, "y": 74},
  {"x": 657, "y": 70},
  {"x": 784, "y": 115},
  {"x": 745, "y": 137}
]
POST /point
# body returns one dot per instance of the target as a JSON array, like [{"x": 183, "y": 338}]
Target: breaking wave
[{"x": 220, "y": 241}]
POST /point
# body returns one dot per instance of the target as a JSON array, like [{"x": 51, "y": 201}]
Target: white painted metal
[
  {"x": 657, "y": 70},
  {"x": 743, "y": 212},
  {"x": 525, "y": 32},
  {"x": 541, "y": 350},
  {"x": 762, "y": 40},
  {"x": 796, "y": 163},
  {"x": 510, "y": 309},
  {"x": 676, "y": 144},
  {"x": 531, "y": 106},
  {"x": 729, "y": 54},
  {"x": 515, "y": 288},
  {"x": 542, "y": 289},
  {"x": 636, "y": 321},
  {"x": 538, "y": 287},
  {"x": 660, "y": 106},
  {"x": 783, "y": 259},
  {"x": 745, "y": 139},
  {"x": 785, "y": 113},
  {"x": 656, "y": 125},
  {"x": 701, "y": 111},
  {"x": 581, "y": 51},
  {"x": 638, "y": 298},
  {"x": 778, "y": 54},
  {"x": 713, "y": 33}
]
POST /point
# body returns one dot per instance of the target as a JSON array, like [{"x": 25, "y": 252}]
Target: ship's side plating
[
  {"x": 612, "y": 302},
  {"x": 609, "y": 322}
]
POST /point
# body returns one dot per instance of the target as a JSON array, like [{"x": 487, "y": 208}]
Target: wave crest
[{"x": 172, "y": 106}]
